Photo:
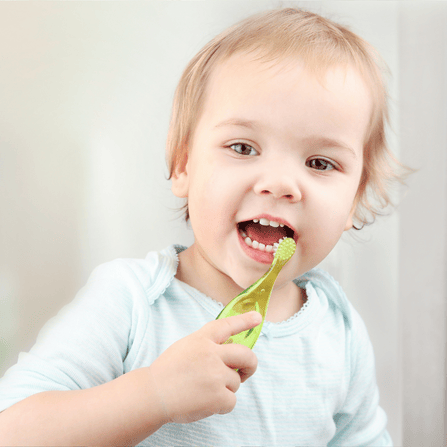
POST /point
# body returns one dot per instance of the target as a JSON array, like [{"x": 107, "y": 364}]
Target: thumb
[{"x": 221, "y": 330}]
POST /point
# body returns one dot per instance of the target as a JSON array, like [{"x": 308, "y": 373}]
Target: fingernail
[{"x": 257, "y": 317}]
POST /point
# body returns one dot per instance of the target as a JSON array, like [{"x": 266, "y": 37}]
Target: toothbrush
[{"x": 257, "y": 296}]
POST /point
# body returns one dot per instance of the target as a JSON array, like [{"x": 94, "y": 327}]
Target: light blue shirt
[{"x": 315, "y": 382}]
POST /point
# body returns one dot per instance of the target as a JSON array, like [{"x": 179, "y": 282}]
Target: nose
[{"x": 280, "y": 180}]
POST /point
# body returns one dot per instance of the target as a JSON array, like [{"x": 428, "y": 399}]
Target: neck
[{"x": 194, "y": 270}]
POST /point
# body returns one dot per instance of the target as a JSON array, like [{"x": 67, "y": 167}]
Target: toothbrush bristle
[{"x": 286, "y": 249}]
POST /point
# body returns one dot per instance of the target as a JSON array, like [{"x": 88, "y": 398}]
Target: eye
[
  {"x": 243, "y": 149},
  {"x": 320, "y": 164}
]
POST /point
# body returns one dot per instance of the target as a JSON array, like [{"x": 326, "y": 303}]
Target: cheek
[
  {"x": 328, "y": 213},
  {"x": 319, "y": 239},
  {"x": 326, "y": 228},
  {"x": 220, "y": 185},
  {"x": 334, "y": 198},
  {"x": 212, "y": 198}
]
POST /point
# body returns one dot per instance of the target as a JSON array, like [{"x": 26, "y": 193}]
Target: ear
[
  {"x": 350, "y": 222},
  {"x": 180, "y": 181}
]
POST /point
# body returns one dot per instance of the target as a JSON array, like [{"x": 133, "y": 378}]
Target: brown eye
[
  {"x": 320, "y": 164},
  {"x": 242, "y": 149}
]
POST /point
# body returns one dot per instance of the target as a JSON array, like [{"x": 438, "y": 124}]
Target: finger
[
  {"x": 228, "y": 402},
  {"x": 233, "y": 380},
  {"x": 221, "y": 330},
  {"x": 239, "y": 357}
]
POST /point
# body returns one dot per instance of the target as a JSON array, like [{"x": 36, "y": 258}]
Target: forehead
[
  {"x": 247, "y": 84},
  {"x": 247, "y": 72}
]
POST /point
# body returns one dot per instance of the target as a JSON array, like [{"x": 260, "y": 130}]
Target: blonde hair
[{"x": 320, "y": 43}]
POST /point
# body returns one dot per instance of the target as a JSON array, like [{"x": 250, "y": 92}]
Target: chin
[{"x": 246, "y": 280}]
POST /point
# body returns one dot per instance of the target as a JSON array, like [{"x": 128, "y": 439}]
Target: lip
[
  {"x": 276, "y": 219},
  {"x": 257, "y": 255}
]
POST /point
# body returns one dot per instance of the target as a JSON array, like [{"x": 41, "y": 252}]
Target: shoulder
[
  {"x": 149, "y": 276},
  {"x": 328, "y": 290},
  {"x": 332, "y": 295},
  {"x": 341, "y": 320}
]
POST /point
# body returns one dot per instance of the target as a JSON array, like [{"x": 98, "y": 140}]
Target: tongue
[{"x": 266, "y": 235}]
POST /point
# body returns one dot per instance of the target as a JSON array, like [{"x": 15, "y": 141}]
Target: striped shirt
[{"x": 315, "y": 383}]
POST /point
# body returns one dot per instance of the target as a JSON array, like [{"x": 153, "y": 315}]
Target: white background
[{"x": 85, "y": 95}]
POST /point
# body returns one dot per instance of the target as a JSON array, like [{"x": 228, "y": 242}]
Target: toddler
[{"x": 277, "y": 131}]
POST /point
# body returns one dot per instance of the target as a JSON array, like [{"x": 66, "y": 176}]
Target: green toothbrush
[{"x": 257, "y": 296}]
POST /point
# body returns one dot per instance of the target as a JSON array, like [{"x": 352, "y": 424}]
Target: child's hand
[{"x": 196, "y": 377}]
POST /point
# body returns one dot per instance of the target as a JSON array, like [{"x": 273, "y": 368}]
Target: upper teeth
[
  {"x": 267, "y": 222},
  {"x": 258, "y": 245}
]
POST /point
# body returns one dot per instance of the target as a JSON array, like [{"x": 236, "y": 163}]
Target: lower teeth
[{"x": 258, "y": 246}]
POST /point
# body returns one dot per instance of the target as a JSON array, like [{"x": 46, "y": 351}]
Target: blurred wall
[
  {"x": 85, "y": 96},
  {"x": 423, "y": 229}
]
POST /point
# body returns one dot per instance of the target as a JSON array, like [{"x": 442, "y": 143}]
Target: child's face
[{"x": 301, "y": 162}]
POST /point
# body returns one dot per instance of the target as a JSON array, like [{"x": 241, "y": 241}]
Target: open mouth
[{"x": 264, "y": 235}]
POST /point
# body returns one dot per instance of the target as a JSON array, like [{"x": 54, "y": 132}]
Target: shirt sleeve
[
  {"x": 84, "y": 345},
  {"x": 361, "y": 421}
]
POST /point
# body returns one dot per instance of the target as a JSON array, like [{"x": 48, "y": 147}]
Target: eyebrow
[
  {"x": 329, "y": 142},
  {"x": 312, "y": 140},
  {"x": 238, "y": 122}
]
